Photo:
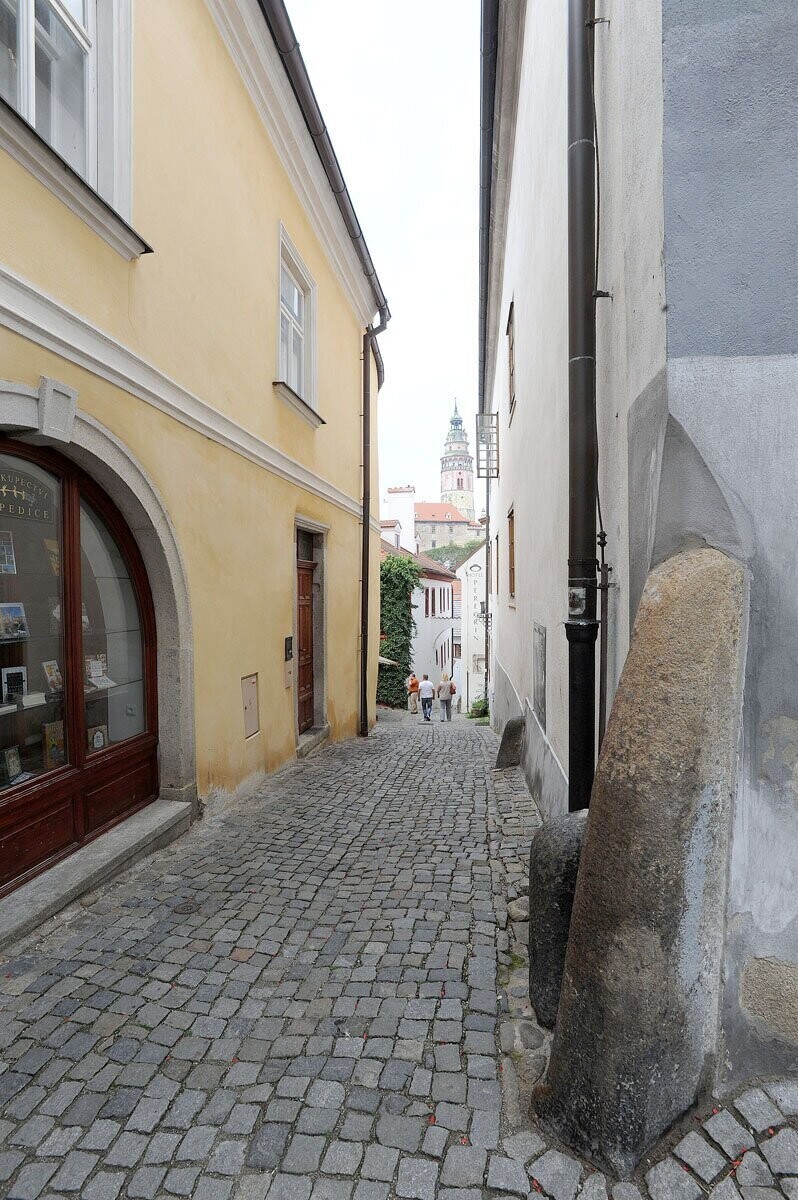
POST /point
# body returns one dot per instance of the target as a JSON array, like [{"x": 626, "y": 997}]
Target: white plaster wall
[
  {"x": 400, "y": 506},
  {"x": 472, "y": 631},
  {"x": 630, "y": 334},
  {"x": 430, "y": 631}
]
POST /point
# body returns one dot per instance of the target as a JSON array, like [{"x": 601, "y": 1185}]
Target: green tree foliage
[
  {"x": 454, "y": 555},
  {"x": 398, "y": 577}
]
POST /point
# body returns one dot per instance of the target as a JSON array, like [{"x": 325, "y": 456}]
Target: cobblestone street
[{"x": 303, "y": 996}]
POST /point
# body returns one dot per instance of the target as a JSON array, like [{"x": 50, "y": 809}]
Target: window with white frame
[
  {"x": 297, "y": 324},
  {"x": 65, "y": 68}
]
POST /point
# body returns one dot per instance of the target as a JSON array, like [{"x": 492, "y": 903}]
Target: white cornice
[
  {"x": 246, "y": 35},
  {"x": 45, "y": 321}
]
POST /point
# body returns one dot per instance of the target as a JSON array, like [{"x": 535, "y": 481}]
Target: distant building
[
  {"x": 398, "y": 504},
  {"x": 443, "y": 525},
  {"x": 433, "y": 612}
]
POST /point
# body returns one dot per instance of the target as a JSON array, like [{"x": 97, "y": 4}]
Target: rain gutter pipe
[
  {"x": 489, "y": 43},
  {"x": 284, "y": 38},
  {"x": 581, "y": 626}
]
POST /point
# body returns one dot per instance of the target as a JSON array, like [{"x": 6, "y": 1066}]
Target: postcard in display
[
  {"x": 13, "y": 622},
  {"x": 53, "y": 552},
  {"x": 10, "y": 764},
  {"x": 53, "y": 744},
  {"x": 33, "y": 699},
  {"x": 8, "y": 562},
  {"x": 97, "y": 672},
  {"x": 97, "y": 737},
  {"x": 52, "y": 673},
  {"x": 14, "y": 684}
]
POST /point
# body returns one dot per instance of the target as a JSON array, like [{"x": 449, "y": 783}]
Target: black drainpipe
[{"x": 582, "y": 626}]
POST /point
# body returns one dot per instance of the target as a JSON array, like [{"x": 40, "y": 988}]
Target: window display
[
  {"x": 31, "y": 647},
  {"x": 78, "y": 699}
]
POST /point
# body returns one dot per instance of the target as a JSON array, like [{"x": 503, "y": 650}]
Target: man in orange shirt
[{"x": 412, "y": 693}]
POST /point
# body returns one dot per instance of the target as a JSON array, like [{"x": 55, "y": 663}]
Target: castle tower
[{"x": 457, "y": 469}]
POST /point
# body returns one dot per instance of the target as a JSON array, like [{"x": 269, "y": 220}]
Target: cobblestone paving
[{"x": 318, "y": 993}]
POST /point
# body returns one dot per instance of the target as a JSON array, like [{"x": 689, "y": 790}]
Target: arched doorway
[{"x": 78, "y": 693}]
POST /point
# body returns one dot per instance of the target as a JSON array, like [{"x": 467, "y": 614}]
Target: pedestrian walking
[
  {"x": 412, "y": 692},
  {"x": 426, "y": 691},
  {"x": 446, "y": 690}
]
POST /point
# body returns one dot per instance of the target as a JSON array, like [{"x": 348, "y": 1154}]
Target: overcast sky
[{"x": 398, "y": 84}]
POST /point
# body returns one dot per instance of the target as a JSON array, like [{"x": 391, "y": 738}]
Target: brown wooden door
[{"x": 304, "y": 577}]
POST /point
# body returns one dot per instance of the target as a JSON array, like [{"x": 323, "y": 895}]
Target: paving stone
[
  {"x": 698, "y": 1154},
  {"x": 379, "y": 1163},
  {"x": 182, "y": 1181},
  {"x": 266, "y": 1148},
  {"x": 790, "y": 1188},
  {"x": 332, "y": 1189},
  {"x": 558, "y": 1174},
  {"x": 74, "y": 1171},
  {"x": 753, "y": 1171},
  {"x": 146, "y": 1182},
  {"x": 760, "y": 1193},
  {"x": 507, "y": 1175},
  {"x": 595, "y": 1188},
  {"x": 227, "y": 1158},
  {"x": 402, "y": 1132},
  {"x": 417, "y": 1178},
  {"x": 758, "y": 1110},
  {"x": 621, "y": 1191},
  {"x": 781, "y": 1152},
  {"x": 106, "y": 1185},
  {"x": 303, "y": 1154},
  {"x": 670, "y": 1181},
  {"x": 342, "y": 1158},
  {"x": 289, "y": 1187},
  {"x": 730, "y": 1135},
  {"x": 32, "y": 1180},
  {"x": 366, "y": 1190},
  {"x": 523, "y": 1146},
  {"x": 464, "y": 1166},
  {"x": 785, "y": 1094},
  {"x": 726, "y": 1190}
]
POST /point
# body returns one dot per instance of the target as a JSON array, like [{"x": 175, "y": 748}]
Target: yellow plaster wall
[
  {"x": 235, "y": 527},
  {"x": 209, "y": 195}
]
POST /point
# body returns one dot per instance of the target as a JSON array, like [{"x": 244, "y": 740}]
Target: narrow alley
[{"x": 303, "y": 996}]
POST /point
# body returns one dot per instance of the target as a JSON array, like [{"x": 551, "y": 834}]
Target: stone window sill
[
  {"x": 25, "y": 145},
  {"x": 299, "y": 405}
]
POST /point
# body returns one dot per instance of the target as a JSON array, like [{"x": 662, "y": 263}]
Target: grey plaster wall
[
  {"x": 542, "y": 769},
  {"x": 730, "y": 78}
]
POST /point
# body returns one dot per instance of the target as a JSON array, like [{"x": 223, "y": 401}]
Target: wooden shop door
[{"x": 305, "y": 645}]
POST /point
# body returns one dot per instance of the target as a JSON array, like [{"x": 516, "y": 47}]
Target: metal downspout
[
  {"x": 581, "y": 626},
  {"x": 370, "y": 347}
]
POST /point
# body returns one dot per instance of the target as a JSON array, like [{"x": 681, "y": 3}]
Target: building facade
[
  {"x": 432, "y": 603},
  {"x": 471, "y": 575},
  {"x": 697, "y": 370},
  {"x": 443, "y": 525},
  {"x": 181, "y": 493}
]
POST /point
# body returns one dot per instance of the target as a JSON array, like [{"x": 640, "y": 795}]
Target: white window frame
[
  {"x": 290, "y": 258},
  {"x": 106, "y": 38}
]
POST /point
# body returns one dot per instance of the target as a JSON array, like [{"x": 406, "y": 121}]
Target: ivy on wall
[{"x": 398, "y": 577}]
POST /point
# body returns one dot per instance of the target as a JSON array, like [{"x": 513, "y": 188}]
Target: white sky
[{"x": 398, "y": 84}]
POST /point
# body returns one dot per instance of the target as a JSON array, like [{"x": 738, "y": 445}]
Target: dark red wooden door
[
  {"x": 304, "y": 578},
  {"x": 78, "y": 750}
]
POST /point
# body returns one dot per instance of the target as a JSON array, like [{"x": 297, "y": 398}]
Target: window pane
[
  {"x": 291, "y": 295},
  {"x": 285, "y": 343},
  {"x": 76, "y": 9},
  {"x": 32, "y": 663},
  {"x": 297, "y": 382},
  {"x": 113, "y": 650},
  {"x": 60, "y": 87},
  {"x": 9, "y": 51}
]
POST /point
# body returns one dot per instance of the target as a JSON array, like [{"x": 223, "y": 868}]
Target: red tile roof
[{"x": 440, "y": 512}]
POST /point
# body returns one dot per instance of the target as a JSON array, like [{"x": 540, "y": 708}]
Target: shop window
[{"x": 78, "y": 710}]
